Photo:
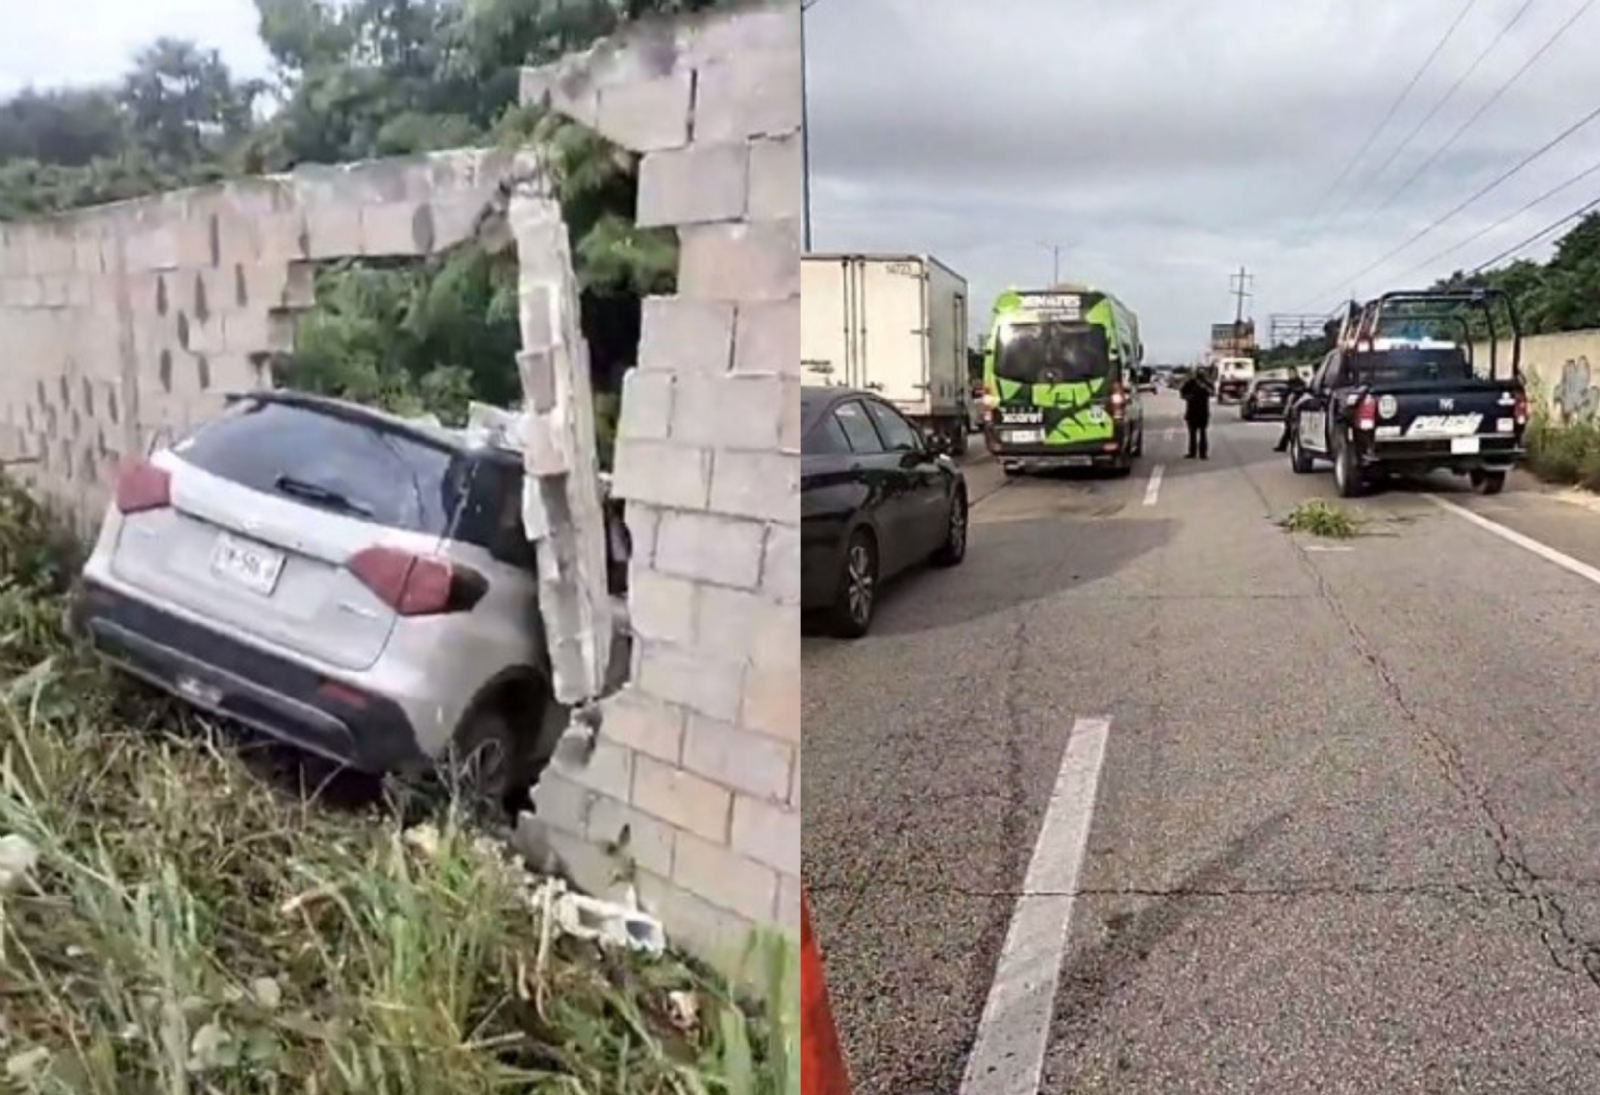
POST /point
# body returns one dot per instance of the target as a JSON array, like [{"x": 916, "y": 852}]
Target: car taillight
[
  {"x": 1520, "y": 410},
  {"x": 142, "y": 486},
  {"x": 991, "y": 398},
  {"x": 1119, "y": 401},
  {"x": 1367, "y": 413},
  {"x": 417, "y": 585}
]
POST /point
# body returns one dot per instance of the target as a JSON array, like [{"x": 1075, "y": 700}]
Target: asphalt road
[{"x": 1329, "y": 820}]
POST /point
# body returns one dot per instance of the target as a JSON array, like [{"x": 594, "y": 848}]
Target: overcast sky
[
  {"x": 52, "y": 43},
  {"x": 1162, "y": 143}
]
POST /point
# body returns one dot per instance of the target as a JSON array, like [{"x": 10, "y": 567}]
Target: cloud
[
  {"x": 76, "y": 42},
  {"x": 1162, "y": 143}
]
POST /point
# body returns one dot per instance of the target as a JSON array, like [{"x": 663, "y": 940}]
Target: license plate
[
  {"x": 1077, "y": 461},
  {"x": 252, "y": 566},
  {"x": 1024, "y": 437},
  {"x": 1463, "y": 445}
]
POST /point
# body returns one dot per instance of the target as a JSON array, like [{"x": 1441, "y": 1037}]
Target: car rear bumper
[
  {"x": 1493, "y": 452},
  {"x": 264, "y": 691},
  {"x": 1087, "y": 454}
]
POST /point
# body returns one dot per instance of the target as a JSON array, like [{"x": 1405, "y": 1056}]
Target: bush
[
  {"x": 1568, "y": 454},
  {"x": 186, "y": 926}
]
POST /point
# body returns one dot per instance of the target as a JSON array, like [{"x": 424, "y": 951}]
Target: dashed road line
[
  {"x": 1014, "y": 1032},
  {"x": 1152, "y": 489}
]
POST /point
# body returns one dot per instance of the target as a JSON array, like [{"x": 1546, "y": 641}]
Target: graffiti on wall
[{"x": 1577, "y": 397}]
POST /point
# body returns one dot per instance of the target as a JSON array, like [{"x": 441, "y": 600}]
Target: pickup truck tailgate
[{"x": 1464, "y": 423}]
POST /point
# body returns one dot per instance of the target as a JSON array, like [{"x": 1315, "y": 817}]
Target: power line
[
  {"x": 1524, "y": 162},
  {"x": 1438, "y": 106},
  {"x": 1483, "y": 109},
  {"x": 1537, "y": 236},
  {"x": 1393, "y": 107},
  {"x": 1503, "y": 221}
]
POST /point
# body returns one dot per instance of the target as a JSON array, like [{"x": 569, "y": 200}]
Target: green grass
[
  {"x": 1568, "y": 454},
  {"x": 1322, "y": 518},
  {"x": 189, "y": 928}
]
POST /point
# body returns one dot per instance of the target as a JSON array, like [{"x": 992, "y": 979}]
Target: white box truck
[{"x": 894, "y": 325}]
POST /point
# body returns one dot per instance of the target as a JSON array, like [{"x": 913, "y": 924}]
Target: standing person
[
  {"x": 1297, "y": 392},
  {"x": 1196, "y": 394}
]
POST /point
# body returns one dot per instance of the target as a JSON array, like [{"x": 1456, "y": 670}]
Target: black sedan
[
  {"x": 1266, "y": 398},
  {"x": 875, "y": 499}
]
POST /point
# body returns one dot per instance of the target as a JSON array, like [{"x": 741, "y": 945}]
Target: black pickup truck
[{"x": 1400, "y": 393}]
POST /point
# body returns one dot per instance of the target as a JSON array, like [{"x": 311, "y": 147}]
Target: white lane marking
[
  {"x": 1527, "y": 543},
  {"x": 1152, "y": 489},
  {"x": 1008, "y": 1053},
  {"x": 1327, "y": 547}
]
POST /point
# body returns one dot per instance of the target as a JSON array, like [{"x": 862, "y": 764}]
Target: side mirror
[{"x": 911, "y": 458}]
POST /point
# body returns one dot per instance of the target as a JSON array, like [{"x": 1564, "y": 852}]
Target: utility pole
[
  {"x": 1055, "y": 257},
  {"x": 1239, "y": 284},
  {"x": 805, "y": 139}
]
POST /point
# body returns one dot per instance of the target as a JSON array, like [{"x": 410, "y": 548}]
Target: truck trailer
[{"x": 895, "y": 325}]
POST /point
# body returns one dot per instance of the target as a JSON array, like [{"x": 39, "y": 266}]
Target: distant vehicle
[
  {"x": 1147, "y": 381},
  {"x": 875, "y": 499},
  {"x": 1234, "y": 375},
  {"x": 352, "y": 583},
  {"x": 1267, "y": 397},
  {"x": 894, "y": 325},
  {"x": 1401, "y": 392},
  {"x": 1060, "y": 378}
]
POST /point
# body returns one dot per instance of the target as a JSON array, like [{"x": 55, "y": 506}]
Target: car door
[
  {"x": 834, "y": 486},
  {"x": 1311, "y": 413},
  {"x": 917, "y": 468},
  {"x": 887, "y": 504}
]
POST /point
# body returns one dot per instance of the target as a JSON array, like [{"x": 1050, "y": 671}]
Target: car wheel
[
  {"x": 1493, "y": 482},
  {"x": 491, "y": 762},
  {"x": 1346, "y": 474},
  {"x": 857, "y": 598},
  {"x": 1299, "y": 459},
  {"x": 954, "y": 548}
]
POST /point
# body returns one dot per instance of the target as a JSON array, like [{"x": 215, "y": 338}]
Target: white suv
[{"x": 336, "y": 577}]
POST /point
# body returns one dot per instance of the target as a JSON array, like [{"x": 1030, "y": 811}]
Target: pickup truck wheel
[
  {"x": 1299, "y": 459},
  {"x": 1346, "y": 473},
  {"x": 1493, "y": 482}
]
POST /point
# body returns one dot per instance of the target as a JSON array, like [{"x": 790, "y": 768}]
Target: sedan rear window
[{"x": 356, "y": 469}]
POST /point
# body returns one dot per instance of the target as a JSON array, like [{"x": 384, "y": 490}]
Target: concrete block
[
  {"x": 767, "y": 833},
  {"x": 609, "y": 770},
  {"x": 708, "y": 548},
  {"x": 636, "y": 836},
  {"x": 286, "y": 236},
  {"x": 255, "y": 331},
  {"x": 732, "y": 412},
  {"x": 686, "y": 336},
  {"x": 788, "y": 918},
  {"x": 793, "y": 798},
  {"x": 698, "y": 184},
  {"x": 693, "y": 804},
  {"x": 774, "y": 639},
  {"x": 647, "y": 115},
  {"x": 399, "y": 228},
  {"x": 762, "y": 485},
  {"x": 728, "y": 622},
  {"x": 790, "y": 424},
  {"x": 739, "y": 262},
  {"x": 664, "y": 473},
  {"x": 726, "y": 879},
  {"x": 780, "y": 565},
  {"x": 770, "y": 26},
  {"x": 771, "y": 702},
  {"x": 646, "y": 406},
  {"x": 749, "y": 763},
  {"x": 714, "y": 935},
  {"x": 555, "y": 87},
  {"x": 755, "y": 93},
  {"x": 684, "y": 676},
  {"x": 776, "y": 190},
  {"x": 333, "y": 232},
  {"x": 766, "y": 338},
  {"x": 562, "y": 803},
  {"x": 645, "y": 725},
  {"x": 661, "y": 607}
]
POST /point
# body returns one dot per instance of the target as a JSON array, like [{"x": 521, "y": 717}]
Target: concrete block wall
[
  {"x": 126, "y": 324},
  {"x": 692, "y": 791},
  {"x": 1562, "y": 371}
]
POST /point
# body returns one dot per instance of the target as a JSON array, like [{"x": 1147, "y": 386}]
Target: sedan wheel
[
  {"x": 857, "y": 598},
  {"x": 954, "y": 548}
]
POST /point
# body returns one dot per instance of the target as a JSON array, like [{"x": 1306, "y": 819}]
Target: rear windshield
[
  {"x": 1412, "y": 364},
  {"x": 384, "y": 476},
  {"x": 1273, "y": 386},
  {"x": 1050, "y": 353}
]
